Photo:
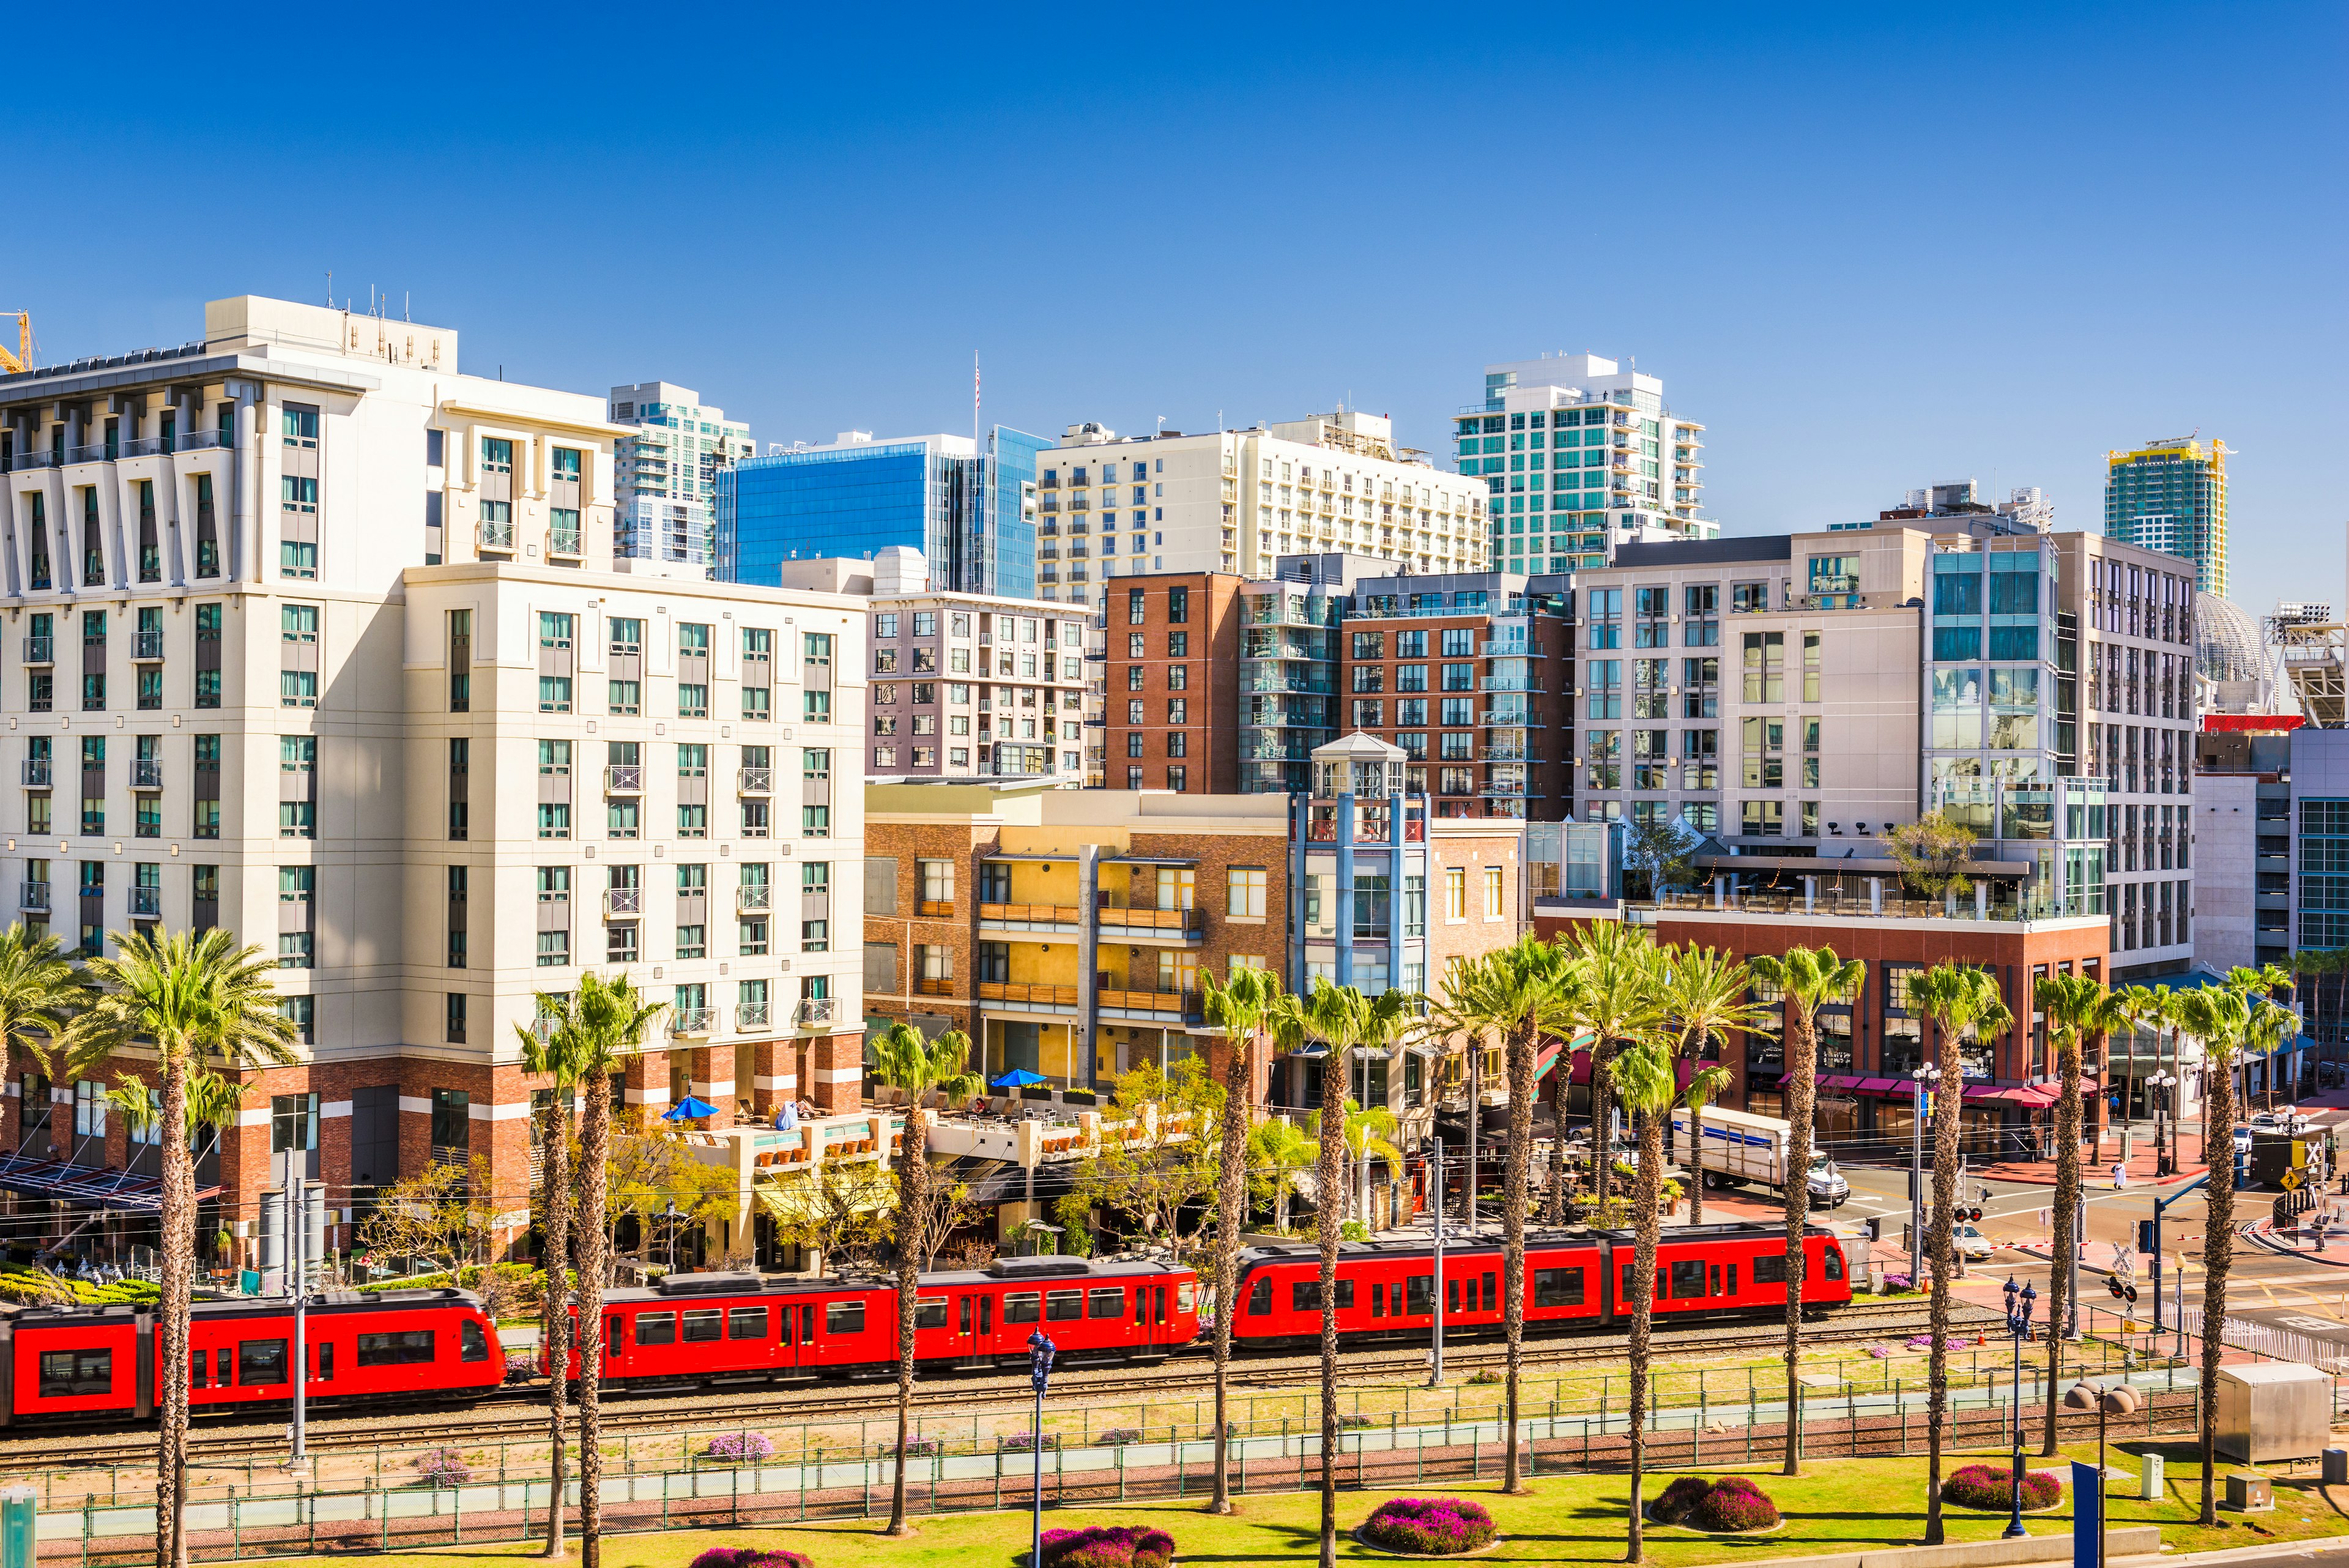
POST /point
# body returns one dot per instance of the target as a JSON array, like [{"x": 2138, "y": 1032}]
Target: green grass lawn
[{"x": 1839, "y": 1505}]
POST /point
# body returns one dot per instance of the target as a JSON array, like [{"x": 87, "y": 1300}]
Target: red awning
[{"x": 1546, "y": 1061}]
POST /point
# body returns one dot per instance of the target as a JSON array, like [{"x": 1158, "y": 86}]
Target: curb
[{"x": 2259, "y": 1233}]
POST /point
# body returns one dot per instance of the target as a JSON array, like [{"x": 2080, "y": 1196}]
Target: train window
[
  {"x": 1110, "y": 1303},
  {"x": 1022, "y": 1306},
  {"x": 807, "y": 1324},
  {"x": 1557, "y": 1287},
  {"x": 1186, "y": 1297},
  {"x": 259, "y": 1361},
  {"x": 1141, "y": 1303},
  {"x": 473, "y": 1345},
  {"x": 220, "y": 1364},
  {"x": 408, "y": 1348},
  {"x": 74, "y": 1373},
  {"x": 1261, "y": 1297},
  {"x": 1732, "y": 1280},
  {"x": 327, "y": 1362},
  {"x": 1688, "y": 1279},
  {"x": 703, "y": 1326},
  {"x": 656, "y": 1328},
  {"x": 1770, "y": 1268},
  {"x": 1716, "y": 1279},
  {"x": 1834, "y": 1262},
  {"x": 746, "y": 1323},
  {"x": 1064, "y": 1306},
  {"x": 1419, "y": 1295},
  {"x": 199, "y": 1366},
  {"x": 1489, "y": 1295},
  {"x": 615, "y": 1335},
  {"x": 1305, "y": 1295},
  {"x": 1378, "y": 1298},
  {"x": 844, "y": 1317},
  {"x": 1659, "y": 1293},
  {"x": 929, "y": 1311},
  {"x": 1452, "y": 1296}
]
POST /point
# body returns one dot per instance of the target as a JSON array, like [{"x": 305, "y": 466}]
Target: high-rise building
[
  {"x": 971, "y": 514},
  {"x": 668, "y": 468},
  {"x": 1172, "y": 682},
  {"x": 1578, "y": 456},
  {"x": 353, "y": 675},
  {"x": 2171, "y": 495},
  {"x": 1235, "y": 501}
]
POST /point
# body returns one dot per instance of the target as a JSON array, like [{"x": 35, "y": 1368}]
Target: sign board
[{"x": 2088, "y": 1513}]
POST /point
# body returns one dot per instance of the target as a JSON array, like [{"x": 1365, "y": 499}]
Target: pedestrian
[{"x": 2120, "y": 1177}]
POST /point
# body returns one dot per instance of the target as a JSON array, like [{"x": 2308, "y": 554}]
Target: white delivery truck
[{"x": 1743, "y": 1149}]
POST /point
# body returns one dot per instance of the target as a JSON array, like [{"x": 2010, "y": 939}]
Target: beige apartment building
[{"x": 325, "y": 642}]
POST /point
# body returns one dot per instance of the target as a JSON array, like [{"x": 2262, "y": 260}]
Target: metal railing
[
  {"x": 754, "y": 898},
  {"x": 624, "y": 778},
  {"x": 562, "y": 542},
  {"x": 757, "y": 780},
  {"x": 752, "y": 1015},
  {"x": 40, "y": 650},
  {"x": 624, "y": 900},
  {"x": 146, "y": 772},
  {"x": 37, "y": 771},
  {"x": 494, "y": 536},
  {"x": 25, "y": 460},
  {"x": 147, "y": 645},
  {"x": 201, "y": 441},
  {"x": 147, "y": 901},
  {"x": 33, "y": 896},
  {"x": 94, "y": 452},
  {"x": 685, "y": 1021},
  {"x": 813, "y": 1010},
  {"x": 144, "y": 446}
]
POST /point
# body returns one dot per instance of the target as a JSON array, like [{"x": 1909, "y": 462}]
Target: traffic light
[{"x": 2146, "y": 1241}]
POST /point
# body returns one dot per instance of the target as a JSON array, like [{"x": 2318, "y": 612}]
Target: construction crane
[{"x": 17, "y": 363}]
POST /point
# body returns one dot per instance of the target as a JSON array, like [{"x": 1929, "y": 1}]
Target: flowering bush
[
  {"x": 1430, "y": 1526},
  {"x": 1354, "y": 1423},
  {"x": 1028, "y": 1442},
  {"x": 1672, "y": 1507},
  {"x": 522, "y": 1365},
  {"x": 1109, "y": 1546},
  {"x": 1925, "y": 1342},
  {"x": 1485, "y": 1376},
  {"x": 1899, "y": 1283},
  {"x": 1991, "y": 1488},
  {"x": 1116, "y": 1436},
  {"x": 737, "y": 1446},
  {"x": 750, "y": 1557},
  {"x": 444, "y": 1467},
  {"x": 1734, "y": 1503},
  {"x": 916, "y": 1448}
]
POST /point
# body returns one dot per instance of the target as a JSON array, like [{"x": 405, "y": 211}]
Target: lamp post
[
  {"x": 2106, "y": 1400},
  {"x": 2160, "y": 1085},
  {"x": 1925, "y": 1077},
  {"x": 671, "y": 1216},
  {"x": 2019, "y": 1304},
  {"x": 1040, "y": 1373},
  {"x": 1435, "y": 1178}
]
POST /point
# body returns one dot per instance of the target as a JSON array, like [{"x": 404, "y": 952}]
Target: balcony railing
[
  {"x": 33, "y": 896},
  {"x": 37, "y": 771},
  {"x": 145, "y": 446},
  {"x": 25, "y": 460},
  {"x": 40, "y": 650},
  {"x": 1027, "y": 914},
  {"x": 95, "y": 452},
  {"x": 624, "y": 900},
  {"x": 494, "y": 536},
  {"x": 146, "y": 645},
  {"x": 624, "y": 778},
  {"x": 754, "y": 898},
  {"x": 201, "y": 441},
  {"x": 562, "y": 541},
  {"x": 934, "y": 985},
  {"x": 1016, "y": 992},
  {"x": 758, "y": 781},
  {"x": 684, "y": 1021},
  {"x": 1172, "y": 1003},
  {"x": 147, "y": 901},
  {"x": 813, "y": 1010},
  {"x": 146, "y": 772},
  {"x": 752, "y": 1015},
  {"x": 1190, "y": 921},
  {"x": 1511, "y": 683}
]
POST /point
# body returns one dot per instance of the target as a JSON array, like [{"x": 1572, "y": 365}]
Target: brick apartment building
[{"x": 1171, "y": 653}]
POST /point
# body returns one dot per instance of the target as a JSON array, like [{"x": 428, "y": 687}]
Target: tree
[
  {"x": 551, "y": 1050},
  {"x": 1277, "y": 1155},
  {"x": 650, "y": 1164},
  {"x": 1370, "y": 1134},
  {"x": 1614, "y": 1002},
  {"x": 1664, "y": 848},
  {"x": 1164, "y": 1159},
  {"x": 1957, "y": 998},
  {"x": 1706, "y": 993},
  {"x": 908, "y": 1062},
  {"x": 1242, "y": 1010},
  {"x": 1808, "y": 978},
  {"x": 2080, "y": 1013},
  {"x": 1644, "y": 1085},
  {"x": 1931, "y": 853},
  {"x": 2157, "y": 1008},
  {"x": 843, "y": 1210},
  {"x": 196, "y": 1001},
  {"x": 1521, "y": 994},
  {"x": 435, "y": 1219},
  {"x": 40, "y": 996}
]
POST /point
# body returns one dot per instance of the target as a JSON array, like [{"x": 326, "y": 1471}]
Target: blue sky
[{"x": 1870, "y": 248}]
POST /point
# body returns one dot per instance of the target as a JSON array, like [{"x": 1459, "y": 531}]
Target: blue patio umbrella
[
  {"x": 688, "y": 1109},
  {"x": 1019, "y": 1078}
]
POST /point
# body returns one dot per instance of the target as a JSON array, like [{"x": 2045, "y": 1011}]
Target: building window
[
  {"x": 1245, "y": 892},
  {"x": 1456, "y": 893}
]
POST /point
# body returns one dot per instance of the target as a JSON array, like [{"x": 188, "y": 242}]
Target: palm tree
[
  {"x": 908, "y": 1062},
  {"x": 196, "y": 999},
  {"x": 551, "y": 1049},
  {"x": 1521, "y": 994},
  {"x": 1242, "y": 1010},
  {"x": 1644, "y": 1085},
  {"x": 2156, "y": 1008},
  {"x": 1807, "y": 980},
  {"x": 40, "y": 994},
  {"x": 610, "y": 1019},
  {"x": 1370, "y": 1134},
  {"x": 1706, "y": 993},
  {"x": 1277, "y": 1155},
  {"x": 1614, "y": 1002},
  {"x": 2082, "y": 1016}
]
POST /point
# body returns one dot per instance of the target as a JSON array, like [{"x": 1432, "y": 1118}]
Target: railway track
[{"x": 518, "y": 1415}]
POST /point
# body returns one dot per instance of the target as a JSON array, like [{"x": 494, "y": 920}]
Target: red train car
[
  {"x": 704, "y": 1328},
  {"x": 1387, "y": 1291},
  {"x": 397, "y": 1344}
]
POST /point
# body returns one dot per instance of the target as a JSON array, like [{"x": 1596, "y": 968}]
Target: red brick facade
[{"x": 1179, "y": 658}]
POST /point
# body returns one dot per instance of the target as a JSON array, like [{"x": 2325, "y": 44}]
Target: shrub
[
  {"x": 442, "y": 1466},
  {"x": 1672, "y": 1507},
  {"x": 1354, "y": 1423},
  {"x": 1108, "y": 1546},
  {"x": 522, "y": 1365},
  {"x": 750, "y": 1557},
  {"x": 1430, "y": 1526},
  {"x": 1116, "y": 1436},
  {"x": 1486, "y": 1375},
  {"x": 916, "y": 1448},
  {"x": 1991, "y": 1488},
  {"x": 1898, "y": 1282},
  {"x": 735, "y": 1448},
  {"x": 1734, "y": 1503},
  {"x": 1028, "y": 1442}
]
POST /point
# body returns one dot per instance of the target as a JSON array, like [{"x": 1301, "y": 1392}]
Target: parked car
[{"x": 1971, "y": 1244}]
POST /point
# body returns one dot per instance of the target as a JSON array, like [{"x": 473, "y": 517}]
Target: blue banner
[{"x": 2088, "y": 1513}]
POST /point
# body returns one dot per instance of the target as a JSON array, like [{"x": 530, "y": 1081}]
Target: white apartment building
[
  {"x": 1113, "y": 507},
  {"x": 667, "y": 466},
  {"x": 1579, "y": 455},
  {"x": 323, "y": 642},
  {"x": 962, "y": 685}
]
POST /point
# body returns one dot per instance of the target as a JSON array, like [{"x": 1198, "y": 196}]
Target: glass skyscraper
[
  {"x": 972, "y": 516},
  {"x": 2171, "y": 496}
]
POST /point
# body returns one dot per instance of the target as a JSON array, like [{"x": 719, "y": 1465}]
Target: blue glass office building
[{"x": 972, "y": 516}]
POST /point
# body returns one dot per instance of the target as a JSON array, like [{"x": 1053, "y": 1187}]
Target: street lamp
[
  {"x": 1926, "y": 1077},
  {"x": 2019, "y": 1304},
  {"x": 672, "y": 1217},
  {"x": 2106, "y": 1399},
  {"x": 2160, "y": 1083},
  {"x": 1040, "y": 1373}
]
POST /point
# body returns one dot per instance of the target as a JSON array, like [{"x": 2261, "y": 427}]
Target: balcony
[
  {"x": 1057, "y": 918},
  {"x": 934, "y": 985},
  {"x": 749, "y": 1015},
  {"x": 494, "y": 537},
  {"x": 1514, "y": 649},
  {"x": 624, "y": 900},
  {"x": 37, "y": 772},
  {"x": 1046, "y": 997},
  {"x": 754, "y": 898},
  {"x": 201, "y": 441},
  {"x": 1511, "y": 719},
  {"x": 1149, "y": 1004},
  {"x": 757, "y": 780},
  {"x": 33, "y": 896},
  {"x": 147, "y": 647},
  {"x": 25, "y": 460},
  {"x": 1509, "y": 683},
  {"x": 1503, "y": 754},
  {"x": 624, "y": 778},
  {"x": 40, "y": 650},
  {"x": 147, "y": 902},
  {"x": 692, "y": 1021},
  {"x": 146, "y": 772},
  {"x": 95, "y": 452},
  {"x": 813, "y": 1013},
  {"x": 562, "y": 542},
  {"x": 1187, "y": 924}
]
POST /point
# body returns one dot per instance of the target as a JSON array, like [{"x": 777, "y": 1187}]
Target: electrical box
[{"x": 2273, "y": 1410}]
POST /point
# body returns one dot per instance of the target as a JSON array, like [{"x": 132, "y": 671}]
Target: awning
[
  {"x": 118, "y": 1189},
  {"x": 1981, "y": 1092},
  {"x": 1547, "y": 1060},
  {"x": 1886, "y": 1086}
]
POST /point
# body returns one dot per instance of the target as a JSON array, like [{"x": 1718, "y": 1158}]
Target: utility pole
[
  {"x": 1468, "y": 1182},
  {"x": 297, "y": 1287},
  {"x": 1436, "y": 1168}
]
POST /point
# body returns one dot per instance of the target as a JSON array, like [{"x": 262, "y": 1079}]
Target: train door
[
  {"x": 795, "y": 1336},
  {"x": 973, "y": 1326},
  {"x": 1150, "y": 1316}
]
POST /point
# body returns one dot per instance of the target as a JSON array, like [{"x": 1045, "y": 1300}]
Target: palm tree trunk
[
  {"x": 1602, "y": 1143},
  {"x": 1518, "y": 1174},
  {"x": 1696, "y": 1158},
  {"x": 913, "y": 1190},
  {"x": 1327, "y": 1172},
  {"x": 2218, "y": 1251},
  {"x": 179, "y": 1271},
  {"x": 1648, "y": 1223},
  {"x": 1560, "y": 1074},
  {"x": 554, "y": 1171},
  {"x": 1946, "y": 1097},
  {"x": 1231, "y": 1202},
  {"x": 594, "y": 1246},
  {"x": 1801, "y": 1072},
  {"x": 2067, "y": 1209}
]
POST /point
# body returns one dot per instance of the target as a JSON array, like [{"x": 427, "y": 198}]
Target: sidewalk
[{"x": 2096, "y": 1165}]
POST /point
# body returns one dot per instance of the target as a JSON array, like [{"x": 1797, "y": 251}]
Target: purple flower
[
  {"x": 1435, "y": 1526},
  {"x": 736, "y": 1447}
]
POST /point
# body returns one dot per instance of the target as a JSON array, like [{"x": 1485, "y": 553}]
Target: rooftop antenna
[
  {"x": 403, "y": 306},
  {"x": 330, "y": 289}
]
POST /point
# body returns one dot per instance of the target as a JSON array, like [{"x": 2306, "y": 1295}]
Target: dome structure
[{"x": 2226, "y": 641}]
